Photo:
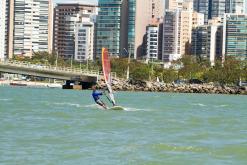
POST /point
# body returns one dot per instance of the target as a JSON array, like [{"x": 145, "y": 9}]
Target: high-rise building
[
  {"x": 66, "y": 18},
  {"x": 28, "y": 27},
  {"x": 170, "y": 4},
  {"x": 84, "y": 41},
  {"x": 108, "y": 26},
  {"x": 130, "y": 44},
  {"x": 177, "y": 31},
  {"x": 122, "y": 24},
  {"x": 171, "y": 37},
  {"x": 188, "y": 19},
  {"x": 217, "y": 8},
  {"x": 9, "y": 29},
  {"x": 207, "y": 41},
  {"x": 141, "y": 13},
  {"x": 198, "y": 19},
  {"x": 2, "y": 28},
  {"x": 173, "y": 4},
  {"x": 210, "y": 8},
  {"x": 235, "y": 6},
  {"x": 204, "y": 7},
  {"x": 166, "y": 4},
  {"x": 160, "y": 42},
  {"x": 235, "y": 36},
  {"x": 152, "y": 42}
]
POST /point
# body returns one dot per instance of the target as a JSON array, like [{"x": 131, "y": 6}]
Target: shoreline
[
  {"x": 29, "y": 84},
  {"x": 144, "y": 86}
]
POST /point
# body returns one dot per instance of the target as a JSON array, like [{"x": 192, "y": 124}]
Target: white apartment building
[
  {"x": 69, "y": 20},
  {"x": 84, "y": 41},
  {"x": 188, "y": 20},
  {"x": 177, "y": 31},
  {"x": 2, "y": 28},
  {"x": 152, "y": 42},
  {"x": 29, "y": 27},
  {"x": 173, "y": 4}
]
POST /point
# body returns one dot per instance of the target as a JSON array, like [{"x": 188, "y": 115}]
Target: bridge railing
[
  {"x": 49, "y": 67},
  {"x": 54, "y": 68}
]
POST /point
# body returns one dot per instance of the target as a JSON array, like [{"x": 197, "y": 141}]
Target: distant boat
[
  {"x": 55, "y": 86},
  {"x": 18, "y": 84}
]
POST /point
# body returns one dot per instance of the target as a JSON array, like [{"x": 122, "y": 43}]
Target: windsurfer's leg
[{"x": 101, "y": 103}]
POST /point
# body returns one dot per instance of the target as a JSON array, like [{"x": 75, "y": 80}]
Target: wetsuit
[{"x": 96, "y": 96}]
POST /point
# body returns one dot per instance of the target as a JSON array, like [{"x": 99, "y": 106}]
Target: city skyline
[
  {"x": 82, "y": 1},
  {"x": 120, "y": 25}
]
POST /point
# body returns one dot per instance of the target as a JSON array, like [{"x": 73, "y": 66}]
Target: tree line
[{"x": 187, "y": 68}]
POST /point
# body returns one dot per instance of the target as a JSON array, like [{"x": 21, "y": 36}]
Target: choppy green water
[{"x": 46, "y": 126}]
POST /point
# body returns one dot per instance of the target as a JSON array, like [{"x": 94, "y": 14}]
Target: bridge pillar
[{"x": 77, "y": 85}]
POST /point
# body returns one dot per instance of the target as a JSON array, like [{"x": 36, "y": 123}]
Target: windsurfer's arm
[
  {"x": 104, "y": 90},
  {"x": 98, "y": 93}
]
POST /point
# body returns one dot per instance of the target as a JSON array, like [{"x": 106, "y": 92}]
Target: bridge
[{"x": 45, "y": 71}]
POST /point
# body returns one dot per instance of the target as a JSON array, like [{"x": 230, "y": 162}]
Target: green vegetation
[
  {"x": 186, "y": 68},
  {"x": 228, "y": 73},
  {"x": 45, "y": 58}
]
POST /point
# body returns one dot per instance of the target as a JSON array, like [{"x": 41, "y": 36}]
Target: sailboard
[{"x": 106, "y": 66}]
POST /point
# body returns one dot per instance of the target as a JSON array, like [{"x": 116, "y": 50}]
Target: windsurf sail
[{"x": 106, "y": 65}]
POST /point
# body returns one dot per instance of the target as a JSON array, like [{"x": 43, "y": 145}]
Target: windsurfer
[{"x": 96, "y": 96}]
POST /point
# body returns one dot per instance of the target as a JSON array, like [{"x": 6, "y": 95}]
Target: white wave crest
[
  {"x": 5, "y": 100},
  {"x": 199, "y": 104},
  {"x": 69, "y": 104}
]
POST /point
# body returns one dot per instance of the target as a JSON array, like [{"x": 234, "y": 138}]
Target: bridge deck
[{"x": 62, "y": 73}]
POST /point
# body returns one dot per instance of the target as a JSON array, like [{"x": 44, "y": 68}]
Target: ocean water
[{"x": 51, "y": 126}]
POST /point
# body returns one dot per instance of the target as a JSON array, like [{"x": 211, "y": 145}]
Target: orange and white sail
[{"x": 106, "y": 65}]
